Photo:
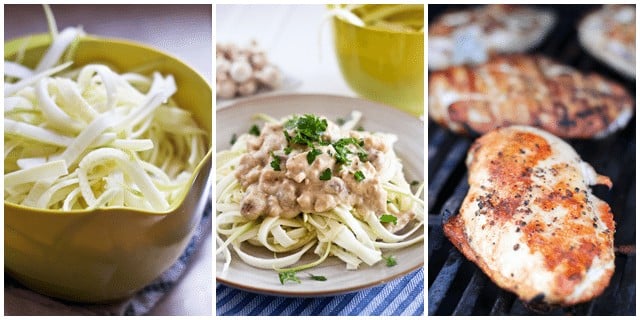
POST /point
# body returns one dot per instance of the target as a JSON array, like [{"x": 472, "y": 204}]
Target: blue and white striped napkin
[
  {"x": 401, "y": 297},
  {"x": 19, "y": 300}
]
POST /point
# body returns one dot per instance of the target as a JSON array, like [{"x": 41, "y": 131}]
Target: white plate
[{"x": 237, "y": 119}]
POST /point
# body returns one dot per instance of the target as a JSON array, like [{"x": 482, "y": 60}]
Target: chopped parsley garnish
[
  {"x": 359, "y": 128},
  {"x": 341, "y": 157},
  {"x": 391, "y": 261},
  {"x": 359, "y": 176},
  {"x": 288, "y": 276},
  {"x": 342, "y": 150},
  {"x": 389, "y": 218},
  {"x": 287, "y": 136},
  {"x": 234, "y": 138},
  {"x": 317, "y": 278},
  {"x": 305, "y": 130},
  {"x": 275, "y": 163},
  {"x": 325, "y": 175},
  {"x": 341, "y": 121},
  {"x": 311, "y": 155},
  {"x": 254, "y": 130}
]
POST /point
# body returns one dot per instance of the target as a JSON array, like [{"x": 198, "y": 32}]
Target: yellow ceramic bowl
[
  {"x": 382, "y": 65},
  {"x": 107, "y": 254}
]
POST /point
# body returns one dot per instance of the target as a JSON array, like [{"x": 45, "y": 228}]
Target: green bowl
[
  {"x": 107, "y": 254},
  {"x": 382, "y": 65}
]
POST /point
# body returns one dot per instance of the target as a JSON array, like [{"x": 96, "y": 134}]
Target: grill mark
[
  {"x": 564, "y": 121},
  {"x": 588, "y": 112},
  {"x": 471, "y": 79}
]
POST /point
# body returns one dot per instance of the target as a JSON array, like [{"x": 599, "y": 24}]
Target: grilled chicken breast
[
  {"x": 609, "y": 34},
  {"x": 472, "y": 35},
  {"x": 530, "y": 221},
  {"x": 527, "y": 90}
]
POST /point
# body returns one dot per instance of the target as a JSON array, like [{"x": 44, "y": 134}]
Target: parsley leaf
[
  {"x": 359, "y": 176},
  {"x": 391, "y": 261},
  {"x": 325, "y": 175},
  {"x": 311, "y": 155},
  {"x": 342, "y": 150},
  {"x": 343, "y": 142},
  {"x": 306, "y": 130},
  {"x": 275, "y": 163},
  {"x": 317, "y": 278},
  {"x": 254, "y": 130},
  {"x": 389, "y": 218},
  {"x": 288, "y": 276},
  {"x": 287, "y": 136},
  {"x": 291, "y": 123},
  {"x": 287, "y": 150},
  {"x": 340, "y": 121},
  {"x": 234, "y": 138}
]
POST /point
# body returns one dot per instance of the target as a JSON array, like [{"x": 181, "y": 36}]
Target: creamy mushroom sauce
[{"x": 297, "y": 187}]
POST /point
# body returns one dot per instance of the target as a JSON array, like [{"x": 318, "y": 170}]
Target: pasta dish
[{"x": 306, "y": 184}]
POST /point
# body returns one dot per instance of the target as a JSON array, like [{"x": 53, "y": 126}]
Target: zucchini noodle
[
  {"x": 90, "y": 137},
  {"x": 352, "y": 233}
]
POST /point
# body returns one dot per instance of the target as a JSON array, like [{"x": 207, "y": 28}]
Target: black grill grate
[{"x": 457, "y": 286}]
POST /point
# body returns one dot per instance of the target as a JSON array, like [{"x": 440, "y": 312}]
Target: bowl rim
[
  {"x": 30, "y": 41},
  {"x": 377, "y": 30}
]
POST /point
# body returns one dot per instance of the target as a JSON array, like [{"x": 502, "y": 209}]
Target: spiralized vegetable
[
  {"x": 91, "y": 137},
  {"x": 341, "y": 232}
]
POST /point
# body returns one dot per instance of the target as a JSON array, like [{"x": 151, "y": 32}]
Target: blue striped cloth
[{"x": 401, "y": 297}]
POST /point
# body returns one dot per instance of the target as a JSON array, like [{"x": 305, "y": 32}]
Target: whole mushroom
[
  {"x": 248, "y": 87},
  {"x": 269, "y": 76},
  {"x": 226, "y": 89},
  {"x": 240, "y": 70}
]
